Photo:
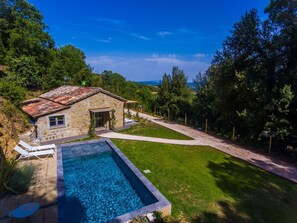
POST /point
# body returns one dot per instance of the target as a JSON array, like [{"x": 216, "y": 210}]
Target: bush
[
  {"x": 26, "y": 72},
  {"x": 92, "y": 132},
  {"x": 14, "y": 179},
  {"x": 140, "y": 219},
  {"x": 9, "y": 110},
  {"x": 12, "y": 92},
  {"x": 158, "y": 216},
  {"x": 113, "y": 120},
  {"x": 8, "y": 167},
  {"x": 22, "y": 178}
]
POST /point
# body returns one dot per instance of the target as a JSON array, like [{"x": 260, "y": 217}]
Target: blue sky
[{"x": 143, "y": 39}]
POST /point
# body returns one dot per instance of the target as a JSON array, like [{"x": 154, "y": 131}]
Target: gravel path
[{"x": 267, "y": 163}]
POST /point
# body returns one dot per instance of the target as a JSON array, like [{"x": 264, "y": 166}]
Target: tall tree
[
  {"x": 23, "y": 31},
  {"x": 252, "y": 81},
  {"x": 113, "y": 82},
  {"x": 68, "y": 66},
  {"x": 235, "y": 77},
  {"x": 25, "y": 72},
  {"x": 283, "y": 22},
  {"x": 202, "y": 106},
  {"x": 174, "y": 95},
  {"x": 24, "y": 40}
]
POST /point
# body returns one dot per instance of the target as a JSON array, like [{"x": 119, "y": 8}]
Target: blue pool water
[{"x": 96, "y": 186}]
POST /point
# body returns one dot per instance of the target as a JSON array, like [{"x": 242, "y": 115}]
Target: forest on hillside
[
  {"x": 30, "y": 60},
  {"x": 251, "y": 84}
]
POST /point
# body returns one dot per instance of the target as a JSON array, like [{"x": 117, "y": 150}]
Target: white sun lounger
[
  {"x": 29, "y": 148},
  {"x": 25, "y": 154},
  {"x": 127, "y": 120}
]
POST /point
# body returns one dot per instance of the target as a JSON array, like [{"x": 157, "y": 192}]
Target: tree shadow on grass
[
  {"x": 258, "y": 196},
  {"x": 228, "y": 215}
]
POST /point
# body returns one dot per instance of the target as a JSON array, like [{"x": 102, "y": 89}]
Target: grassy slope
[
  {"x": 200, "y": 181},
  {"x": 153, "y": 130}
]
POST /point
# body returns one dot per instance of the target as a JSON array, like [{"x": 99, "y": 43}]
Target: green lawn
[
  {"x": 146, "y": 128},
  {"x": 209, "y": 186}
]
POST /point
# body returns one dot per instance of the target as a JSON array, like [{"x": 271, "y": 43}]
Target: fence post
[
  {"x": 185, "y": 119},
  {"x": 168, "y": 115},
  {"x": 233, "y": 133},
  {"x": 206, "y": 125},
  {"x": 270, "y": 143}
]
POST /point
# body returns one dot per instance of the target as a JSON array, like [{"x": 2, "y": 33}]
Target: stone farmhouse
[{"x": 69, "y": 110}]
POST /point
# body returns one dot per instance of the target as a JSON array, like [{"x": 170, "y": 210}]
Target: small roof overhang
[
  {"x": 131, "y": 102},
  {"x": 38, "y": 107},
  {"x": 95, "y": 110}
]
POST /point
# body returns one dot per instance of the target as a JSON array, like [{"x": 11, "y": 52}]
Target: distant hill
[
  {"x": 157, "y": 82},
  {"x": 152, "y": 83},
  {"x": 191, "y": 85}
]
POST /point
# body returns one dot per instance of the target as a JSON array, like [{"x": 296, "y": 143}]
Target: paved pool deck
[{"x": 43, "y": 191}]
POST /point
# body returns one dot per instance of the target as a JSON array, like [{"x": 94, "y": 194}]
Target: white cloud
[
  {"x": 163, "y": 34},
  {"x": 169, "y": 59},
  {"x": 108, "y": 40},
  {"x": 139, "y": 36},
  {"x": 151, "y": 67},
  {"x": 101, "y": 60}
]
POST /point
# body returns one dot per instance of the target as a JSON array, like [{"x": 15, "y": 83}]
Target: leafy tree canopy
[
  {"x": 252, "y": 81},
  {"x": 174, "y": 96}
]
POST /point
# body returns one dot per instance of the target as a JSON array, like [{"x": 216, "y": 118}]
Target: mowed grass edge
[
  {"x": 205, "y": 185},
  {"x": 151, "y": 129}
]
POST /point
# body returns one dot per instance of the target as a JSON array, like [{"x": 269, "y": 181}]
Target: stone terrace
[{"x": 43, "y": 191}]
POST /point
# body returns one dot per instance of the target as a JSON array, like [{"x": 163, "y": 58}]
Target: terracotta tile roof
[
  {"x": 61, "y": 98},
  {"x": 38, "y": 107},
  {"x": 67, "y": 95}
]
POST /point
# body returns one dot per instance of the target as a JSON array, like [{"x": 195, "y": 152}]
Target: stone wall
[{"x": 77, "y": 117}]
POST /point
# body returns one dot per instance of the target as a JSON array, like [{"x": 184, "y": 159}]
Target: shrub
[
  {"x": 140, "y": 219},
  {"x": 158, "y": 217},
  {"x": 9, "y": 109},
  {"x": 8, "y": 167},
  {"x": 91, "y": 132},
  {"x": 26, "y": 72},
  {"x": 14, "y": 179},
  {"x": 113, "y": 120},
  {"x": 22, "y": 178},
  {"x": 12, "y": 92}
]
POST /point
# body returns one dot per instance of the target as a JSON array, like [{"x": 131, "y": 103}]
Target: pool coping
[{"x": 162, "y": 202}]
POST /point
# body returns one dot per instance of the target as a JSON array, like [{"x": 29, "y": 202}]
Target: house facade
[{"x": 71, "y": 110}]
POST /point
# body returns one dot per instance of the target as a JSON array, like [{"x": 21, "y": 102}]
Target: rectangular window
[{"x": 57, "y": 121}]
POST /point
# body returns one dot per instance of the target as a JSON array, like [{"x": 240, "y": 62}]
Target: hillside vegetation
[
  {"x": 12, "y": 123},
  {"x": 31, "y": 63},
  {"x": 30, "y": 58},
  {"x": 250, "y": 86}
]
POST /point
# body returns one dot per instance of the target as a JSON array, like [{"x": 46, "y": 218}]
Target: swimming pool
[{"x": 97, "y": 183}]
